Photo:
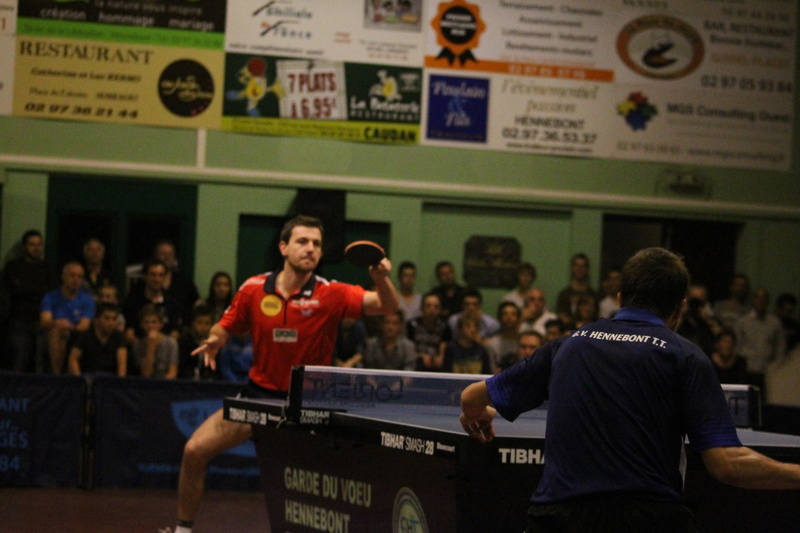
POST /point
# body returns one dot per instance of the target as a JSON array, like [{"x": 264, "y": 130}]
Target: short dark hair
[
  {"x": 502, "y": 305},
  {"x": 406, "y": 264},
  {"x": 786, "y": 298},
  {"x": 654, "y": 279},
  {"x": 527, "y": 267},
  {"x": 300, "y": 220},
  {"x": 441, "y": 264},
  {"x": 472, "y": 292},
  {"x": 105, "y": 308},
  {"x": 30, "y": 233},
  {"x": 151, "y": 310},
  {"x": 725, "y": 332},
  {"x": 150, "y": 263}
]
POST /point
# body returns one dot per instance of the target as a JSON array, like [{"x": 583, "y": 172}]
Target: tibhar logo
[{"x": 521, "y": 456}]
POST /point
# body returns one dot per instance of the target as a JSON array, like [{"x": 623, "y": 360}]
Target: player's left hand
[{"x": 480, "y": 428}]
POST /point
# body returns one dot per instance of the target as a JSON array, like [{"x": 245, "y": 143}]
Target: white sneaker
[{"x": 165, "y": 530}]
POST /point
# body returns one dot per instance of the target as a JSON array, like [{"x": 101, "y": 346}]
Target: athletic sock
[{"x": 184, "y": 526}]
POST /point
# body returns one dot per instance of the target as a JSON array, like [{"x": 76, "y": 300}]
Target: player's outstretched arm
[
  {"x": 476, "y": 413},
  {"x": 743, "y": 467},
  {"x": 383, "y": 300},
  {"x": 209, "y": 348}
]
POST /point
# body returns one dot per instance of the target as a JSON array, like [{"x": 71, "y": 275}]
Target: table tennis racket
[{"x": 364, "y": 253}]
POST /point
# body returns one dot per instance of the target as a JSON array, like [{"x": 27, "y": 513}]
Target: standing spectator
[
  {"x": 26, "y": 279},
  {"x": 506, "y": 340},
  {"x": 66, "y": 312},
  {"x": 567, "y": 302},
  {"x": 391, "y": 350},
  {"x": 429, "y": 333},
  {"x": 785, "y": 306},
  {"x": 695, "y": 325},
  {"x": 730, "y": 366},
  {"x": 737, "y": 305},
  {"x": 535, "y": 314},
  {"x": 410, "y": 299},
  {"x": 151, "y": 292},
  {"x": 760, "y": 337},
  {"x": 94, "y": 253},
  {"x": 101, "y": 348},
  {"x": 155, "y": 353},
  {"x": 609, "y": 305},
  {"x": 466, "y": 353},
  {"x": 220, "y": 294},
  {"x": 472, "y": 305},
  {"x": 526, "y": 276},
  {"x": 450, "y": 293},
  {"x": 190, "y": 366}
]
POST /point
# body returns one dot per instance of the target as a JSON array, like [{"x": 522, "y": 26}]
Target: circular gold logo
[
  {"x": 660, "y": 47},
  {"x": 408, "y": 514},
  {"x": 271, "y": 305}
]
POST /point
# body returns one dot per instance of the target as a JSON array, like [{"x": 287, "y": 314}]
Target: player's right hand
[{"x": 209, "y": 349}]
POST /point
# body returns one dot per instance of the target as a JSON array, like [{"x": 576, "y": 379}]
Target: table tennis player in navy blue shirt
[{"x": 622, "y": 395}]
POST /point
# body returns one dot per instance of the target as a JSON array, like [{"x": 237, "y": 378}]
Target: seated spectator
[
  {"x": 155, "y": 353},
  {"x": 151, "y": 292},
  {"x": 526, "y": 276},
  {"x": 785, "y": 306},
  {"x": 504, "y": 342},
  {"x": 527, "y": 343},
  {"x": 236, "y": 358},
  {"x": 66, "y": 312},
  {"x": 608, "y": 305},
  {"x": 109, "y": 294},
  {"x": 554, "y": 329},
  {"x": 101, "y": 349},
  {"x": 390, "y": 350},
  {"x": 587, "y": 310},
  {"x": 350, "y": 343},
  {"x": 429, "y": 333},
  {"x": 466, "y": 353},
  {"x": 535, "y": 313},
  {"x": 730, "y": 367},
  {"x": 220, "y": 294},
  {"x": 567, "y": 301},
  {"x": 191, "y": 366},
  {"x": 471, "y": 305},
  {"x": 410, "y": 299}
]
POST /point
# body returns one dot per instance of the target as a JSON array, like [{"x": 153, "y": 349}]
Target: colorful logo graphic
[
  {"x": 458, "y": 26},
  {"x": 458, "y": 108},
  {"x": 660, "y": 47},
  {"x": 253, "y": 79},
  {"x": 186, "y": 88},
  {"x": 637, "y": 110},
  {"x": 279, "y": 17},
  {"x": 408, "y": 514}
]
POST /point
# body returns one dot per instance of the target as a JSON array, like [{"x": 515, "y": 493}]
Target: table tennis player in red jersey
[{"x": 293, "y": 317}]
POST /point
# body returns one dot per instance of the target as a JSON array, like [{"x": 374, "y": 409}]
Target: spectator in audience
[
  {"x": 450, "y": 293},
  {"x": 696, "y": 325},
  {"x": 737, "y": 305},
  {"x": 26, "y": 280},
  {"x": 65, "y": 312},
  {"x": 177, "y": 284},
  {"x": 527, "y": 344},
  {"x": 608, "y": 306},
  {"x": 190, "y": 366},
  {"x": 109, "y": 294},
  {"x": 101, "y": 349},
  {"x": 785, "y": 306},
  {"x": 730, "y": 367},
  {"x": 587, "y": 310},
  {"x": 350, "y": 343},
  {"x": 429, "y": 333},
  {"x": 535, "y": 314},
  {"x": 391, "y": 350},
  {"x": 151, "y": 293},
  {"x": 472, "y": 306},
  {"x": 220, "y": 294},
  {"x": 94, "y": 253},
  {"x": 236, "y": 358},
  {"x": 505, "y": 341},
  {"x": 155, "y": 353},
  {"x": 466, "y": 353},
  {"x": 526, "y": 276},
  {"x": 567, "y": 302},
  {"x": 760, "y": 337},
  {"x": 554, "y": 329},
  {"x": 410, "y": 299}
]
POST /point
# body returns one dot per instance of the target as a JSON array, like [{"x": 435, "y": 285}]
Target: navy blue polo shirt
[{"x": 622, "y": 395}]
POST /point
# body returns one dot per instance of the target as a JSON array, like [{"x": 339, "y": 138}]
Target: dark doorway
[{"x": 708, "y": 247}]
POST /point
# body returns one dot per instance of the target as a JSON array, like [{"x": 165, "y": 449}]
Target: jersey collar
[
  {"x": 636, "y": 314},
  {"x": 305, "y": 292}
]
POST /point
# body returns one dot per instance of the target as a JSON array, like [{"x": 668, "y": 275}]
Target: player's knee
[{"x": 195, "y": 453}]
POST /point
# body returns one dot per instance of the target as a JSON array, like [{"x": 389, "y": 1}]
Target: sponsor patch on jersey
[
  {"x": 271, "y": 305},
  {"x": 284, "y": 335}
]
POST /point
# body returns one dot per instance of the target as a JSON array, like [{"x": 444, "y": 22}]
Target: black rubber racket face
[{"x": 364, "y": 253}]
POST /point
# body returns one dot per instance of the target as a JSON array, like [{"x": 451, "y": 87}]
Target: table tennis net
[{"x": 333, "y": 388}]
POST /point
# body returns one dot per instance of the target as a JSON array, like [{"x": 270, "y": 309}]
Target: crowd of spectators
[{"x": 81, "y": 320}]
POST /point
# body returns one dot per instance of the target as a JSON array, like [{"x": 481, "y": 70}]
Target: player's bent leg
[{"x": 213, "y": 437}]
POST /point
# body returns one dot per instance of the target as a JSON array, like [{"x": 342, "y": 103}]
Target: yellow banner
[
  {"x": 379, "y": 132},
  {"x": 94, "y": 81}
]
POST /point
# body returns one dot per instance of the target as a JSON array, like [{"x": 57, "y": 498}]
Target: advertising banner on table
[
  {"x": 131, "y": 62},
  {"x": 387, "y": 32},
  {"x": 8, "y": 29},
  {"x": 321, "y": 98},
  {"x": 688, "y": 81}
]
